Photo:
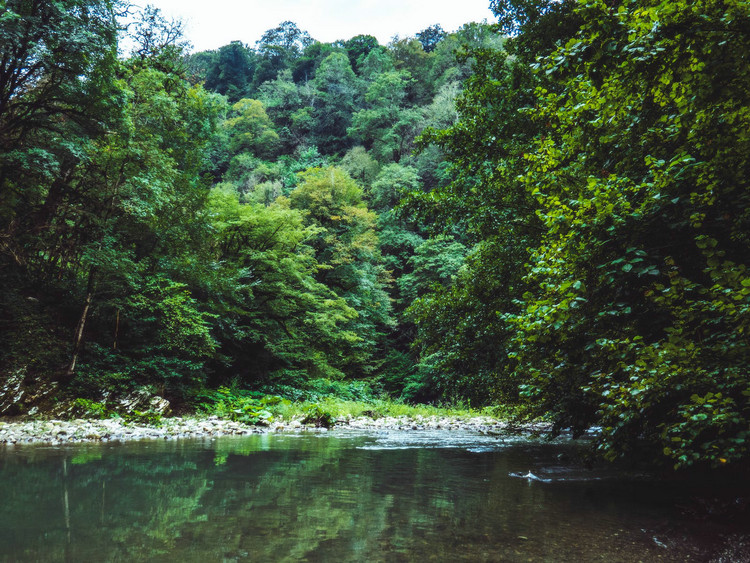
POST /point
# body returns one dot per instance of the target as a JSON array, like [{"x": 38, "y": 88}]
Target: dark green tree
[
  {"x": 305, "y": 67},
  {"x": 430, "y": 37},
  {"x": 459, "y": 329},
  {"x": 58, "y": 96},
  {"x": 338, "y": 94},
  {"x": 358, "y": 47},
  {"x": 198, "y": 65},
  {"x": 232, "y": 72},
  {"x": 409, "y": 55},
  {"x": 278, "y": 49},
  {"x": 156, "y": 39}
]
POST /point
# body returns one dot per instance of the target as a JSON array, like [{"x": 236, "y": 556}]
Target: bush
[
  {"x": 315, "y": 414},
  {"x": 239, "y": 405},
  {"x": 90, "y": 409}
]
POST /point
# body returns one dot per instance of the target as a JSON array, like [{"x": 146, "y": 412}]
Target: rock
[
  {"x": 142, "y": 400},
  {"x": 11, "y": 393},
  {"x": 159, "y": 405}
]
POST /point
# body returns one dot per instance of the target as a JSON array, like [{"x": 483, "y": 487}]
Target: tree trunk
[
  {"x": 78, "y": 338},
  {"x": 117, "y": 329}
]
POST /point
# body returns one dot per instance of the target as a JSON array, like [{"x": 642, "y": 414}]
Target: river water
[{"x": 348, "y": 496}]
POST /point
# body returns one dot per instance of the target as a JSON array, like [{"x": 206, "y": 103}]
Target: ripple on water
[{"x": 466, "y": 440}]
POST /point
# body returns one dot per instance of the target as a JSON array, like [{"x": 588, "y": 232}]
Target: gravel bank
[{"x": 56, "y": 432}]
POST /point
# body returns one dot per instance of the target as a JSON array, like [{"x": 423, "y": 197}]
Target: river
[{"x": 350, "y": 496}]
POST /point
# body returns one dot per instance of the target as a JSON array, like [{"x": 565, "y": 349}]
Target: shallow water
[{"x": 343, "y": 496}]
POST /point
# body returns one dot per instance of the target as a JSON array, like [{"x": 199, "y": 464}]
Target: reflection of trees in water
[
  {"x": 284, "y": 498},
  {"x": 303, "y": 498},
  {"x": 60, "y": 505},
  {"x": 286, "y": 504},
  {"x": 319, "y": 502}
]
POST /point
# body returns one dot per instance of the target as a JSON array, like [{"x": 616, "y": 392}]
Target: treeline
[
  {"x": 550, "y": 213},
  {"x": 327, "y": 133}
]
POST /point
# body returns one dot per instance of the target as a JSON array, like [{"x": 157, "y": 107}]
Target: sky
[{"x": 214, "y": 23}]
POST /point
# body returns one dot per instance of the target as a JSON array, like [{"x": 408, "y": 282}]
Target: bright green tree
[
  {"x": 274, "y": 319},
  {"x": 360, "y": 165},
  {"x": 251, "y": 130},
  {"x": 347, "y": 247}
]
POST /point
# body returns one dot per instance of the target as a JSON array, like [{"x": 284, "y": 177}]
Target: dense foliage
[
  {"x": 175, "y": 221},
  {"x": 551, "y": 212},
  {"x": 621, "y": 298}
]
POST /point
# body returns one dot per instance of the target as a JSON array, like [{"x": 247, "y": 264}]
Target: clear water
[{"x": 342, "y": 497}]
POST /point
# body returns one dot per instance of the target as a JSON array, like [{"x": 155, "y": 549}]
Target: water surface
[{"x": 343, "y": 496}]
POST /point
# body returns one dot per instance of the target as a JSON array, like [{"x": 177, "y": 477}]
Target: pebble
[{"x": 58, "y": 432}]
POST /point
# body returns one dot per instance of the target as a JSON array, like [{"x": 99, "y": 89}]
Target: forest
[{"x": 549, "y": 212}]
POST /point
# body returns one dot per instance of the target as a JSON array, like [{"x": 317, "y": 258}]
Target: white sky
[{"x": 213, "y": 23}]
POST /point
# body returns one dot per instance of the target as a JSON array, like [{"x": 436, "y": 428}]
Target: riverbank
[{"x": 58, "y": 432}]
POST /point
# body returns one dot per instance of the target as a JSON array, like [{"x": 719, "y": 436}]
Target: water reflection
[{"x": 342, "y": 497}]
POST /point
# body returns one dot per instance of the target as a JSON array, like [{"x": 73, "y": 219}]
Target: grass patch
[{"x": 322, "y": 404}]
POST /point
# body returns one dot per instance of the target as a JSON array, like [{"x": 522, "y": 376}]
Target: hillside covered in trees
[{"x": 549, "y": 212}]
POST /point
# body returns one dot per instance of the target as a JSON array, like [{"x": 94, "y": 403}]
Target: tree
[
  {"x": 410, "y": 56},
  {"x": 358, "y": 163},
  {"x": 284, "y": 40},
  {"x": 337, "y": 96},
  {"x": 462, "y": 341},
  {"x": 104, "y": 228},
  {"x": 440, "y": 114},
  {"x": 347, "y": 247},
  {"x": 157, "y": 39},
  {"x": 358, "y": 48},
  {"x": 377, "y": 61},
  {"x": 47, "y": 47},
  {"x": 430, "y": 37},
  {"x": 57, "y": 90},
  {"x": 198, "y": 65},
  {"x": 251, "y": 130},
  {"x": 516, "y": 16},
  {"x": 386, "y": 126},
  {"x": 58, "y": 95},
  {"x": 305, "y": 67},
  {"x": 452, "y": 55},
  {"x": 273, "y": 318},
  {"x": 136, "y": 213},
  {"x": 277, "y": 49},
  {"x": 232, "y": 72},
  {"x": 287, "y": 104}
]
